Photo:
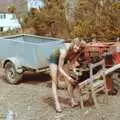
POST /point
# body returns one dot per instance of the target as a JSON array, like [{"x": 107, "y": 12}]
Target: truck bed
[
  {"x": 30, "y": 50},
  {"x": 31, "y": 38}
]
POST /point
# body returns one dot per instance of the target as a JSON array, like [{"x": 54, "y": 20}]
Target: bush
[
  {"x": 49, "y": 21},
  {"x": 92, "y": 18}
]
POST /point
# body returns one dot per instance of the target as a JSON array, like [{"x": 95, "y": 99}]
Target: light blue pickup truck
[{"x": 20, "y": 53}]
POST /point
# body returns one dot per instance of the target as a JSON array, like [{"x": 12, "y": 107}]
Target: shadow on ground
[
  {"x": 50, "y": 101},
  {"x": 34, "y": 78}
]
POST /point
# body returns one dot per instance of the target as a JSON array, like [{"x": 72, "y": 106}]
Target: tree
[
  {"x": 87, "y": 17},
  {"x": 70, "y": 8},
  {"x": 50, "y": 20},
  {"x": 11, "y": 8},
  {"x": 99, "y": 17}
]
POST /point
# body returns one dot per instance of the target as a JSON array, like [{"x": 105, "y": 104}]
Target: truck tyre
[{"x": 10, "y": 74}]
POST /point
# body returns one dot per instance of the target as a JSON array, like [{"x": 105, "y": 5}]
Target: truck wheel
[{"x": 11, "y": 76}]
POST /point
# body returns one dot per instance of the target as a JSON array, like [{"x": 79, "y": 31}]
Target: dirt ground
[{"x": 32, "y": 99}]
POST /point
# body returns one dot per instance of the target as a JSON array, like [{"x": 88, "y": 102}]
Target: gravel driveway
[{"x": 32, "y": 100}]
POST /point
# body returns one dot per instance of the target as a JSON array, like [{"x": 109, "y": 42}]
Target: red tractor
[{"x": 94, "y": 52}]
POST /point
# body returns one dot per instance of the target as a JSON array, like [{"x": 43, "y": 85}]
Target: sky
[{"x": 3, "y": 5}]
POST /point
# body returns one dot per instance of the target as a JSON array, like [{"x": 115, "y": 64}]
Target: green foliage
[
  {"x": 116, "y": 5},
  {"x": 11, "y": 8},
  {"x": 9, "y": 32},
  {"x": 82, "y": 28}
]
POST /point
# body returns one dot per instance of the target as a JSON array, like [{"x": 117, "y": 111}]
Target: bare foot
[
  {"x": 75, "y": 104},
  {"x": 58, "y": 110}
]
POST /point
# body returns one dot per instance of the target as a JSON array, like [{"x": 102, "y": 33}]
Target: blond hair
[{"x": 77, "y": 41}]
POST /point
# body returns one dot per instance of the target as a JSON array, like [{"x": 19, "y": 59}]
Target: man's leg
[{"x": 53, "y": 72}]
